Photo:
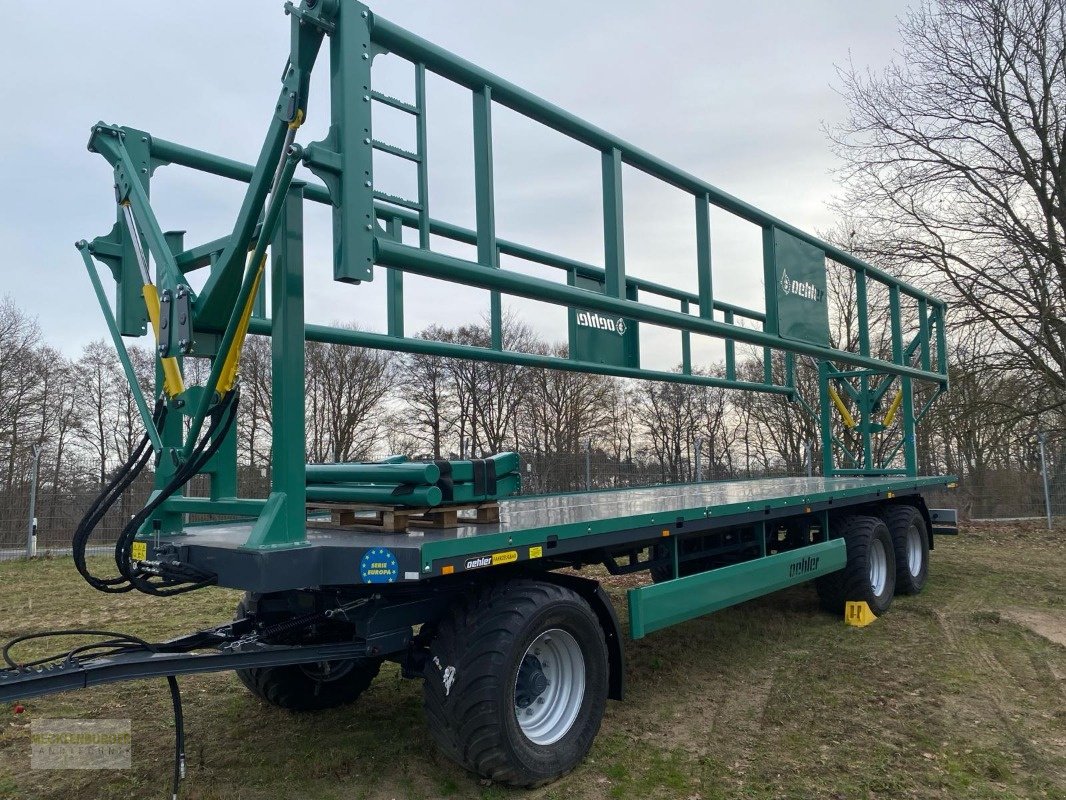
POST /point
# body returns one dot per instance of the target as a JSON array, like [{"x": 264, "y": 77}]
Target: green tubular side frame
[{"x": 367, "y": 235}]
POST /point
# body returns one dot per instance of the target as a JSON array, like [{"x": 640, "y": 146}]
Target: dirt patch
[{"x": 1051, "y": 626}]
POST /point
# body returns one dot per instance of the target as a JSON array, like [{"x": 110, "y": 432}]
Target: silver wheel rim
[
  {"x": 878, "y": 567},
  {"x": 549, "y": 687},
  {"x": 914, "y": 551}
]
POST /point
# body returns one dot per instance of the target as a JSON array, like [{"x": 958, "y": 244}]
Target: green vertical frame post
[
  {"x": 487, "y": 252},
  {"x": 770, "y": 324},
  {"x": 614, "y": 246},
  {"x": 686, "y": 344},
  {"x": 910, "y": 451},
  {"x": 394, "y": 286},
  {"x": 704, "y": 275},
  {"x": 730, "y": 350},
  {"x": 941, "y": 341},
  {"x": 283, "y": 522},
  {"x": 923, "y": 333},
  {"x": 769, "y": 274},
  {"x": 897, "y": 325},
  {"x": 345, "y": 158},
  {"x": 865, "y": 404},
  {"x": 423, "y": 153}
]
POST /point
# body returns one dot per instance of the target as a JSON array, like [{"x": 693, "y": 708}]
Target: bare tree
[
  {"x": 488, "y": 395},
  {"x": 955, "y": 154},
  {"x": 346, "y": 390},
  {"x": 429, "y": 396},
  {"x": 19, "y": 338},
  {"x": 254, "y": 422}
]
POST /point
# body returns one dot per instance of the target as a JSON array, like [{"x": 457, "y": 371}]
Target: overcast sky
[{"x": 734, "y": 93}]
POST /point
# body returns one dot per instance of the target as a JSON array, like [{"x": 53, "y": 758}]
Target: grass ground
[{"x": 960, "y": 692}]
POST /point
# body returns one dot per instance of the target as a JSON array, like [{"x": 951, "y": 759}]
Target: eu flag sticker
[{"x": 379, "y": 565}]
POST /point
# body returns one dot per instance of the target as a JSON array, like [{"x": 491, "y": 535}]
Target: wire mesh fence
[{"x": 994, "y": 494}]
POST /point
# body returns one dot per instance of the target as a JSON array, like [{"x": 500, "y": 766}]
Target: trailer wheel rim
[
  {"x": 878, "y": 567},
  {"x": 549, "y": 687},
  {"x": 914, "y": 551}
]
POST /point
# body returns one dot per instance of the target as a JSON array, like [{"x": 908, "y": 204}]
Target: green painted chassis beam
[{"x": 661, "y": 605}]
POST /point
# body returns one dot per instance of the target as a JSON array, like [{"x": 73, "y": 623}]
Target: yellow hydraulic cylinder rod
[
  {"x": 228, "y": 376},
  {"x": 890, "y": 415},
  {"x": 173, "y": 384},
  {"x": 845, "y": 415}
]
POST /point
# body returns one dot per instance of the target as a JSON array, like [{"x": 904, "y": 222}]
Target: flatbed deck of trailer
[{"x": 529, "y": 528}]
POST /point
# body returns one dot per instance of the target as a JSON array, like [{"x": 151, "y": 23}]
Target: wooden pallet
[{"x": 397, "y": 519}]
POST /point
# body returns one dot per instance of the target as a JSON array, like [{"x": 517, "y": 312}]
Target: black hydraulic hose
[
  {"x": 181, "y": 578},
  {"x": 122, "y": 479},
  {"x": 115, "y": 640},
  {"x": 117, "y": 643},
  {"x": 179, "y": 735},
  {"x": 174, "y": 579}
]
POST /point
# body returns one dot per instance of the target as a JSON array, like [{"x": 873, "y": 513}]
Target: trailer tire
[
  {"x": 309, "y": 687},
  {"x": 519, "y": 646},
  {"x": 870, "y": 572},
  {"x": 910, "y": 538}
]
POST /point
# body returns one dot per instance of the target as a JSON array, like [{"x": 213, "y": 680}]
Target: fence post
[
  {"x": 1042, "y": 438},
  {"x": 699, "y": 461},
  {"x": 808, "y": 457},
  {"x": 588, "y": 465},
  {"x": 31, "y": 533}
]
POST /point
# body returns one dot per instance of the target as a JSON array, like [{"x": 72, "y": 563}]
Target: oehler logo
[
  {"x": 481, "y": 561},
  {"x": 803, "y": 566},
  {"x": 590, "y": 319},
  {"x": 804, "y": 289}
]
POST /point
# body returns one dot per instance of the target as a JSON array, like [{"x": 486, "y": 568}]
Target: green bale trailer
[{"x": 517, "y": 652}]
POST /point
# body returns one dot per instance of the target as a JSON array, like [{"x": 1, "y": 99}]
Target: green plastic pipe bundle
[
  {"x": 411, "y": 472},
  {"x": 505, "y": 463},
  {"x": 399, "y": 482},
  {"x": 464, "y": 492},
  {"x": 427, "y": 496}
]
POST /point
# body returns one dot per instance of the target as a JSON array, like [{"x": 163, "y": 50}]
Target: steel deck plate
[{"x": 529, "y": 527}]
